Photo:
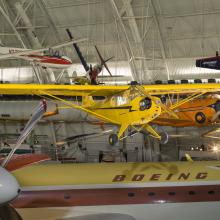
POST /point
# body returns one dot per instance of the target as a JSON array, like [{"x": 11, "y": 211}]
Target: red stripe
[
  {"x": 52, "y": 60},
  {"x": 91, "y": 197}
]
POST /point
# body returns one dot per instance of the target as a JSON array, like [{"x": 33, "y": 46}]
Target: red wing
[{"x": 19, "y": 161}]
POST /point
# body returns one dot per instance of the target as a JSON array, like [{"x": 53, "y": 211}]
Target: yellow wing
[{"x": 104, "y": 90}]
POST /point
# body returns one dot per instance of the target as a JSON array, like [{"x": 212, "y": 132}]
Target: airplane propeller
[
  {"x": 93, "y": 71},
  {"x": 103, "y": 62},
  {"x": 9, "y": 187}
]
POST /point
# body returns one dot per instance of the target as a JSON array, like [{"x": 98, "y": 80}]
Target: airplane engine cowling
[{"x": 9, "y": 187}]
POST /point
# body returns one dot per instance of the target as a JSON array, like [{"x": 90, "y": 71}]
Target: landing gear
[
  {"x": 113, "y": 139},
  {"x": 134, "y": 83},
  {"x": 164, "y": 138}
]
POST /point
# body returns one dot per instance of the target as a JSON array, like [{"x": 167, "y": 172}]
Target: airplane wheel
[
  {"x": 200, "y": 117},
  {"x": 164, "y": 138},
  {"x": 113, "y": 139},
  {"x": 134, "y": 83}
]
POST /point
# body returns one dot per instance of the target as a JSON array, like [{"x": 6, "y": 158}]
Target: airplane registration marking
[{"x": 15, "y": 50}]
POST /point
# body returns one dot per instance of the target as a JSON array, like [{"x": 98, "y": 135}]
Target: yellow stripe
[{"x": 76, "y": 174}]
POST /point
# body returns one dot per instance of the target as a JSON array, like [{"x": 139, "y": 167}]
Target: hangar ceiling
[{"x": 157, "y": 39}]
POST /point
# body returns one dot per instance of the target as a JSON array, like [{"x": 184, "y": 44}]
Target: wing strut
[
  {"x": 122, "y": 129},
  {"x": 72, "y": 105},
  {"x": 152, "y": 131}
]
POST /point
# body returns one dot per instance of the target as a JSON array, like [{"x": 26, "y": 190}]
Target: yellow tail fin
[
  {"x": 188, "y": 158},
  {"x": 87, "y": 101}
]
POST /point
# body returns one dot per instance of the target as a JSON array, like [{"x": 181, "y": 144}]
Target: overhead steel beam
[
  {"x": 128, "y": 44},
  {"x": 5, "y": 6},
  {"x": 33, "y": 27},
  {"x": 17, "y": 35},
  {"x": 127, "y": 8},
  {"x": 18, "y": 17},
  {"x": 123, "y": 9},
  {"x": 213, "y": 12},
  {"x": 195, "y": 36},
  {"x": 73, "y": 4},
  {"x": 132, "y": 22},
  {"x": 32, "y": 37},
  {"x": 137, "y": 38},
  {"x": 135, "y": 17},
  {"x": 30, "y": 31},
  {"x": 43, "y": 7},
  {"x": 12, "y": 26},
  {"x": 161, "y": 40}
]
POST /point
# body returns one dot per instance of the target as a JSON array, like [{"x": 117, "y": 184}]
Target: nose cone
[{"x": 9, "y": 187}]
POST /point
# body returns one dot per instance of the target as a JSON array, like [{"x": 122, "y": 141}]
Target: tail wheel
[
  {"x": 113, "y": 139},
  {"x": 200, "y": 117}
]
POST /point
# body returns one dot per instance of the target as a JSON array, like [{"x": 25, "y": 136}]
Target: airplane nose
[{"x": 9, "y": 187}]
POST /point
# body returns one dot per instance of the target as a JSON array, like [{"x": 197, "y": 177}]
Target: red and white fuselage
[
  {"x": 61, "y": 62},
  {"x": 46, "y": 61}
]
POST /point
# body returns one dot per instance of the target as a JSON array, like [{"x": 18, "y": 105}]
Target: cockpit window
[
  {"x": 52, "y": 53},
  {"x": 120, "y": 100}
]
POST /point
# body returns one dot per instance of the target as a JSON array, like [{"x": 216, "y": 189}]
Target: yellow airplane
[
  {"x": 122, "y": 191},
  {"x": 126, "y": 106}
]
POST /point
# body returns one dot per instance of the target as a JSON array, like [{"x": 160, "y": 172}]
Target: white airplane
[{"x": 45, "y": 57}]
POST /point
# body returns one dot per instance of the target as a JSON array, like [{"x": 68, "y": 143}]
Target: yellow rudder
[{"x": 87, "y": 101}]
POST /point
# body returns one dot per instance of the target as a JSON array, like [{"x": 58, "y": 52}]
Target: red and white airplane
[{"x": 44, "y": 57}]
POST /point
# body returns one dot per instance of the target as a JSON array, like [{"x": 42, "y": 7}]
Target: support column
[
  {"x": 54, "y": 139},
  {"x": 155, "y": 150},
  {"x": 147, "y": 148}
]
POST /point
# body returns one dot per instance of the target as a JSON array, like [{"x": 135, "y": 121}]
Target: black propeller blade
[
  {"x": 103, "y": 62},
  {"x": 79, "y": 53}
]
